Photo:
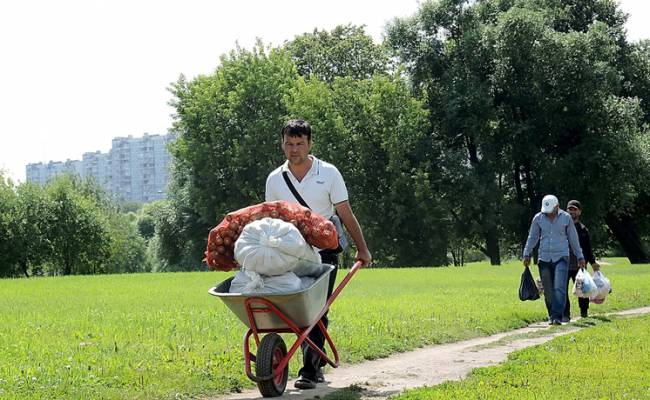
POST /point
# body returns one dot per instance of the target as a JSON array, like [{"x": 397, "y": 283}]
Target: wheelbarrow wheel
[{"x": 269, "y": 355}]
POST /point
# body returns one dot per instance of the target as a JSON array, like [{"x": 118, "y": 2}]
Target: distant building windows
[{"x": 134, "y": 169}]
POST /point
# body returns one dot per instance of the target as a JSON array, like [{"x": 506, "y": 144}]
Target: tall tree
[
  {"x": 635, "y": 62},
  {"x": 8, "y": 207},
  {"x": 32, "y": 223},
  {"x": 345, "y": 51},
  {"x": 376, "y": 133},
  {"x": 562, "y": 111},
  {"x": 127, "y": 248},
  {"x": 228, "y": 126},
  {"x": 80, "y": 238},
  {"x": 531, "y": 90},
  {"x": 449, "y": 63}
]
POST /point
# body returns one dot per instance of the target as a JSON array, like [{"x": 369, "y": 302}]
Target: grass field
[
  {"x": 151, "y": 336},
  {"x": 608, "y": 361}
]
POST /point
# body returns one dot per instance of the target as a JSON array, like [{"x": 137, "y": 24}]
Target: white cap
[{"x": 548, "y": 203}]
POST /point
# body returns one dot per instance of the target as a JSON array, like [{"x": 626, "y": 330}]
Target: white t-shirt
[{"x": 321, "y": 188}]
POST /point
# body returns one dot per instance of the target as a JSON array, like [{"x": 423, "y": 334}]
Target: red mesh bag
[{"x": 316, "y": 230}]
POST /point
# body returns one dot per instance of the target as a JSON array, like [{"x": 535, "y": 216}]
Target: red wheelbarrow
[{"x": 271, "y": 314}]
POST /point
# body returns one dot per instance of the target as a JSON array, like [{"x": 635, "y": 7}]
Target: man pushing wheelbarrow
[{"x": 318, "y": 186}]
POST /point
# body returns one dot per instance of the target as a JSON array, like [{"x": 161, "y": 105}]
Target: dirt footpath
[{"x": 428, "y": 366}]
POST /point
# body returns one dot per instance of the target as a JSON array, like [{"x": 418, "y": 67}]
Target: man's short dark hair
[{"x": 297, "y": 127}]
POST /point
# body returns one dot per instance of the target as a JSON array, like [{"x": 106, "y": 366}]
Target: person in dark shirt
[{"x": 575, "y": 209}]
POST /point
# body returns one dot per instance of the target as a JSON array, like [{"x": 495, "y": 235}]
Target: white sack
[
  {"x": 272, "y": 247},
  {"x": 252, "y": 282}
]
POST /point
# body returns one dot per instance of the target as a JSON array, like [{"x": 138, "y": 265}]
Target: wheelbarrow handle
[{"x": 357, "y": 265}]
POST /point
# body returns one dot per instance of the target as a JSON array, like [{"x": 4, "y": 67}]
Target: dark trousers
[
  {"x": 310, "y": 358},
  {"x": 583, "y": 303}
]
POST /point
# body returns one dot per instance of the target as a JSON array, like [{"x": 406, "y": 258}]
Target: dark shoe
[
  {"x": 304, "y": 383},
  {"x": 566, "y": 320},
  {"x": 584, "y": 314},
  {"x": 556, "y": 322},
  {"x": 320, "y": 377}
]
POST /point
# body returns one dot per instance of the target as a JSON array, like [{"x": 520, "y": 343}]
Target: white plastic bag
[
  {"x": 272, "y": 247},
  {"x": 251, "y": 282},
  {"x": 306, "y": 281},
  {"x": 245, "y": 282},
  {"x": 604, "y": 287},
  {"x": 584, "y": 285},
  {"x": 309, "y": 269}
]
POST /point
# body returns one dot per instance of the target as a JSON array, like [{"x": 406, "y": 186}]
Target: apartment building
[{"x": 134, "y": 169}]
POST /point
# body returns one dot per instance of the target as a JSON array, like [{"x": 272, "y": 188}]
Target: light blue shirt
[{"x": 553, "y": 236}]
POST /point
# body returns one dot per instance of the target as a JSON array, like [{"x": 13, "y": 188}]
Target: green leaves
[
  {"x": 80, "y": 242},
  {"x": 346, "y": 51},
  {"x": 494, "y": 101},
  {"x": 529, "y": 90},
  {"x": 67, "y": 227},
  {"x": 375, "y": 132},
  {"x": 228, "y": 126}
]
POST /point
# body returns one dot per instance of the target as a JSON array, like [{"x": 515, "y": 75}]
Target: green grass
[
  {"x": 608, "y": 361},
  {"x": 149, "y": 336}
]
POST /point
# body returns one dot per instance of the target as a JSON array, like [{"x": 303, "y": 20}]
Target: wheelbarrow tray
[{"x": 301, "y": 307}]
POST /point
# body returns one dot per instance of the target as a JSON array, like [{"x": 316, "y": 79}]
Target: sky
[{"x": 74, "y": 74}]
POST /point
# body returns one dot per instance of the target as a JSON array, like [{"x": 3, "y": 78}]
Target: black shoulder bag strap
[
  {"x": 297, "y": 195},
  {"x": 343, "y": 242}
]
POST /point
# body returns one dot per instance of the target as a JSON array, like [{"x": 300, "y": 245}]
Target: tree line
[
  {"x": 68, "y": 227},
  {"x": 448, "y": 133}
]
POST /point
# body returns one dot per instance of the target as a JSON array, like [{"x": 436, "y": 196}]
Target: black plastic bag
[{"x": 527, "y": 287}]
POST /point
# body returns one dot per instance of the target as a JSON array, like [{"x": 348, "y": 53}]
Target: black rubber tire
[{"x": 269, "y": 354}]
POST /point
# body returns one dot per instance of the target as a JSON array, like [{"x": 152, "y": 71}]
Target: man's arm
[
  {"x": 344, "y": 211},
  {"x": 574, "y": 243},
  {"x": 587, "y": 251},
  {"x": 531, "y": 242}
]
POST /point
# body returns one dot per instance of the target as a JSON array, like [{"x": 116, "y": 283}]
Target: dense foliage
[
  {"x": 448, "y": 134},
  {"x": 67, "y": 227},
  {"x": 537, "y": 95}
]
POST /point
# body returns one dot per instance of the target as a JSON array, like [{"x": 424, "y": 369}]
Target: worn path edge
[{"x": 427, "y": 366}]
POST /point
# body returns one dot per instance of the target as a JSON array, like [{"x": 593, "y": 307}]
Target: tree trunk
[
  {"x": 532, "y": 203},
  {"x": 492, "y": 245},
  {"x": 532, "y": 198},
  {"x": 518, "y": 189},
  {"x": 522, "y": 226},
  {"x": 67, "y": 265},
  {"x": 625, "y": 232}
]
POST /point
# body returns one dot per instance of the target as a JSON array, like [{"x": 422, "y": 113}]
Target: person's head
[
  {"x": 297, "y": 128},
  {"x": 575, "y": 209},
  {"x": 296, "y": 141},
  {"x": 550, "y": 204}
]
